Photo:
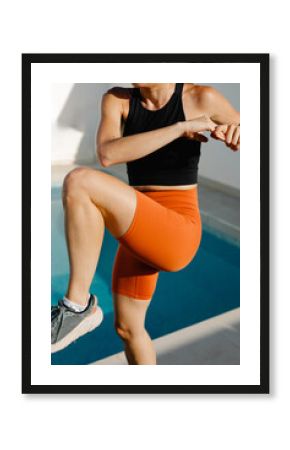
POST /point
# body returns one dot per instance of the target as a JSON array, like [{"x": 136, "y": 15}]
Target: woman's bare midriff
[{"x": 162, "y": 188}]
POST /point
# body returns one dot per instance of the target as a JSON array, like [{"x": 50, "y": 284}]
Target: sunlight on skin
[{"x": 229, "y": 134}]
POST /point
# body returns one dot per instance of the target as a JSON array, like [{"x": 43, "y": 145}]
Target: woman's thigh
[
  {"x": 157, "y": 235},
  {"x": 162, "y": 237}
]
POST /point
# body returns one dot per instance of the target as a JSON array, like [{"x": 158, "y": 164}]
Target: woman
[{"x": 157, "y": 130}]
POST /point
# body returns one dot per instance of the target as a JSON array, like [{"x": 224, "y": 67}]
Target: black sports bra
[{"x": 173, "y": 164}]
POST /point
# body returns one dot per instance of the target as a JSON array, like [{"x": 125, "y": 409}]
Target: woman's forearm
[{"x": 129, "y": 148}]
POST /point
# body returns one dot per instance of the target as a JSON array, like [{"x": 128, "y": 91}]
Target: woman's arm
[
  {"x": 218, "y": 108},
  {"x": 112, "y": 148},
  {"x": 223, "y": 113}
]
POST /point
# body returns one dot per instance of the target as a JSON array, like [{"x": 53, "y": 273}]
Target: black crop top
[{"x": 173, "y": 164}]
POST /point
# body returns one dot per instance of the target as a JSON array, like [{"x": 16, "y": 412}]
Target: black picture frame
[{"x": 263, "y": 59}]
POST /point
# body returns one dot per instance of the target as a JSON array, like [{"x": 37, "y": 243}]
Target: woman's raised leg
[{"x": 92, "y": 199}]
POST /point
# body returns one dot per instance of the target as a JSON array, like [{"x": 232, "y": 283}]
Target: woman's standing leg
[
  {"x": 130, "y": 325},
  {"x": 133, "y": 286}
]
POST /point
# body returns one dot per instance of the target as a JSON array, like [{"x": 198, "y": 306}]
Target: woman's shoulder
[
  {"x": 197, "y": 90},
  {"x": 121, "y": 93},
  {"x": 201, "y": 94},
  {"x": 121, "y": 97},
  {"x": 205, "y": 91}
]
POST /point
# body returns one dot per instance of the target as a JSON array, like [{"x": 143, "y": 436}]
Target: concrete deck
[{"x": 213, "y": 341}]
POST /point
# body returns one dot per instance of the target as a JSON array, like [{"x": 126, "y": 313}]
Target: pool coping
[{"x": 214, "y": 341}]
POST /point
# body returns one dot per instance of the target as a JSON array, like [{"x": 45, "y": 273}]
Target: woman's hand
[
  {"x": 229, "y": 134},
  {"x": 192, "y": 129}
]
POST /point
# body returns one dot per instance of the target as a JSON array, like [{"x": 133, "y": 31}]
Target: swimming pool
[{"x": 208, "y": 286}]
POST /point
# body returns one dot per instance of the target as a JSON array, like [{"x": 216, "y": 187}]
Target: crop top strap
[
  {"x": 178, "y": 89},
  {"x": 136, "y": 92}
]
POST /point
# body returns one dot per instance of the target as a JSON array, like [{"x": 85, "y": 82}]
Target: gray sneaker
[{"x": 68, "y": 325}]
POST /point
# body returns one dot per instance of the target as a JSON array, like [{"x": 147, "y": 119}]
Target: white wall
[
  {"x": 75, "y": 118},
  {"x": 217, "y": 161}
]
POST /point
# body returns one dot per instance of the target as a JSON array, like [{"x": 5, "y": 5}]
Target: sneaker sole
[{"x": 88, "y": 324}]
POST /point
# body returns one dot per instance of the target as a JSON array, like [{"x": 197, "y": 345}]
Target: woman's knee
[
  {"x": 175, "y": 264},
  {"x": 75, "y": 178},
  {"x": 171, "y": 267},
  {"x": 127, "y": 332},
  {"x": 76, "y": 182}
]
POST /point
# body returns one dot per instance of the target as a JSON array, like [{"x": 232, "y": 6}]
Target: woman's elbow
[{"x": 103, "y": 157}]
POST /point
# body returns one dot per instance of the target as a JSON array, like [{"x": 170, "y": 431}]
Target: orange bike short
[{"x": 164, "y": 235}]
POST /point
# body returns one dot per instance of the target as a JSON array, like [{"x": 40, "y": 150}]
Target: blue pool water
[{"x": 208, "y": 286}]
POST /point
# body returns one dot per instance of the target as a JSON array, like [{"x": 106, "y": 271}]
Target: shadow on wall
[{"x": 81, "y": 112}]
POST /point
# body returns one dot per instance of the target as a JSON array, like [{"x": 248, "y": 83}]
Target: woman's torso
[{"x": 189, "y": 98}]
